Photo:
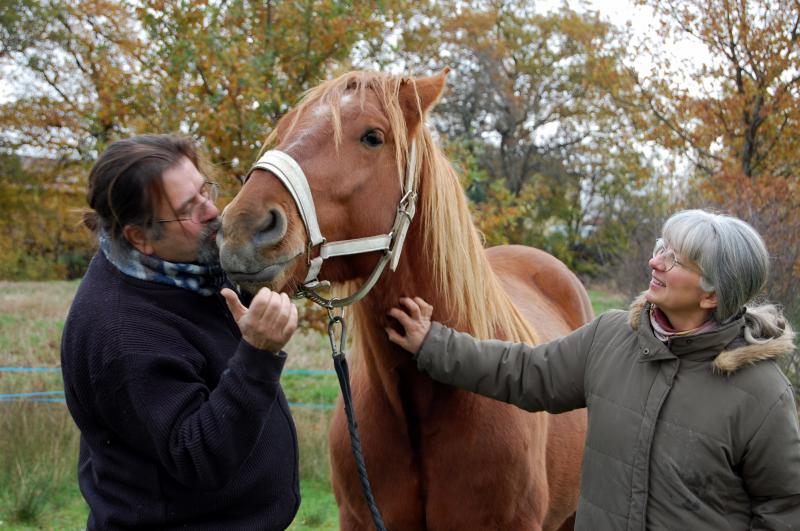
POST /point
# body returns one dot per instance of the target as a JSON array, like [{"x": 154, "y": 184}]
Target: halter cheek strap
[{"x": 289, "y": 172}]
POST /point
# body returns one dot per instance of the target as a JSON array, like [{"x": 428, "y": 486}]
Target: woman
[{"x": 692, "y": 425}]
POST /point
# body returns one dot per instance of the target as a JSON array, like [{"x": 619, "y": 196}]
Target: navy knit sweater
[{"x": 183, "y": 424}]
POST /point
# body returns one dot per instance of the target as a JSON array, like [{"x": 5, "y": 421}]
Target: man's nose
[{"x": 210, "y": 211}]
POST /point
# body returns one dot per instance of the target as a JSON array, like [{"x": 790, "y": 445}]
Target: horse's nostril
[
  {"x": 272, "y": 221},
  {"x": 272, "y": 229}
]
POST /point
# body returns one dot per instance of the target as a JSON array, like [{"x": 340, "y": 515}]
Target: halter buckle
[
  {"x": 317, "y": 284},
  {"x": 309, "y": 246}
]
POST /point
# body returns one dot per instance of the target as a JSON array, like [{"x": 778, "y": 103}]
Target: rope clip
[{"x": 337, "y": 349}]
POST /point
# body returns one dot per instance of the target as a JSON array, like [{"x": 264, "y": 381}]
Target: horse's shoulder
[{"x": 527, "y": 272}]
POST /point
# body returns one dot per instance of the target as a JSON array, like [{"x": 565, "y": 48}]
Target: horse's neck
[{"x": 391, "y": 369}]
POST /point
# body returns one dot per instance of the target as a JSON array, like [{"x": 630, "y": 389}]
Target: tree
[
  {"x": 221, "y": 71},
  {"x": 529, "y": 99},
  {"x": 39, "y": 236},
  {"x": 77, "y": 87},
  {"x": 227, "y": 71},
  {"x": 736, "y": 108}
]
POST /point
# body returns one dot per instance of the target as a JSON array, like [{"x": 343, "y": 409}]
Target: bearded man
[{"x": 173, "y": 383}]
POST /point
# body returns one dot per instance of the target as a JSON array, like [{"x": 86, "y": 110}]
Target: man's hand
[
  {"x": 269, "y": 322},
  {"x": 415, "y": 318}
]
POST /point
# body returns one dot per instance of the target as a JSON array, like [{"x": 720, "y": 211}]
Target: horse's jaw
[
  {"x": 246, "y": 265},
  {"x": 272, "y": 276}
]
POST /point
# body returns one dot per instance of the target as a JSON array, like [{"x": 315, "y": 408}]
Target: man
[{"x": 173, "y": 383}]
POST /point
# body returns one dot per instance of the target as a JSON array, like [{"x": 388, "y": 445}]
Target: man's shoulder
[
  {"x": 108, "y": 304},
  {"x": 100, "y": 293}
]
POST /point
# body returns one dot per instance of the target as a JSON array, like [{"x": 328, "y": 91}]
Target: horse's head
[{"x": 351, "y": 139}]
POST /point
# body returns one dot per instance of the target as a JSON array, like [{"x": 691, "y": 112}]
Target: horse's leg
[
  {"x": 349, "y": 522},
  {"x": 485, "y": 468},
  {"x": 389, "y": 464}
]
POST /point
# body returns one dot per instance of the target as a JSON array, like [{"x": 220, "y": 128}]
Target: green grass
[
  {"x": 317, "y": 508},
  {"x": 319, "y": 390},
  {"x": 603, "y": 301},
  {"x": 39, "y": 442}
]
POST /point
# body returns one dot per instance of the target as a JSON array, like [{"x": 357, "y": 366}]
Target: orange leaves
[
  {"x": 222, "y": 71},
  {"x": 744, "y": 94}
]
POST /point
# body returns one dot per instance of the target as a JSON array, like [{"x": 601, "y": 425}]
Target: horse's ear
[{"x": 417, "y": 96}]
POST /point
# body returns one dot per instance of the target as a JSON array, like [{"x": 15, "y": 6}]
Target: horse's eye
[{"x": 372, "y": 138}]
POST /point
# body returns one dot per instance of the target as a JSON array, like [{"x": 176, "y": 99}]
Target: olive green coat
[{"x": 700, "y": 434}]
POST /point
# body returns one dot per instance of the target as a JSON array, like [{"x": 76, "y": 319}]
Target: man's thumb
[{"x": 234, "y": 304}]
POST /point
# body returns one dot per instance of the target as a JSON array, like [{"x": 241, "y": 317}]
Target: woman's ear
[
  {"x": 137, "y": 237},
  {"x": 709, "y": 300}
]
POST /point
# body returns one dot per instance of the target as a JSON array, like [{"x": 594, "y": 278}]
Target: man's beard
[{"x": 207, "y": 250}]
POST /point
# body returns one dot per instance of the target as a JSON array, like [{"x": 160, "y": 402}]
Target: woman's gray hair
[{"x": 734, "y": 263}]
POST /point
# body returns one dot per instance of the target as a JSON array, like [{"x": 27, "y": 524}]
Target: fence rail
[{"x": 57, "y": 396}]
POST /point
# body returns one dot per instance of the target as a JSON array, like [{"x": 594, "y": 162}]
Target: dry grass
[
  {"x": 31, "y": 319},
  {"x": 312, "y": 434},
  {"x": 309, "y": 349}
]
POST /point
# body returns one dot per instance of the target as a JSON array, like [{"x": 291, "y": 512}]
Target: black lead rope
[{"x": 342, "y": 372}]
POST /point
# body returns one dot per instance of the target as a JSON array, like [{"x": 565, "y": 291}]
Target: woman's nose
[{"x": 656, "y": 263}]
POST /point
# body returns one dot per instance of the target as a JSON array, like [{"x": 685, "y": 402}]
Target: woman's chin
[{"x": 650, "y": 296}]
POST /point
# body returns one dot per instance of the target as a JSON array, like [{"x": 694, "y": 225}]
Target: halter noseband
[{"x": 289, "y": 172}]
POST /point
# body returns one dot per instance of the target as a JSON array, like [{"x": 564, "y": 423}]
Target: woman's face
[{"x": 677, "y": 292}]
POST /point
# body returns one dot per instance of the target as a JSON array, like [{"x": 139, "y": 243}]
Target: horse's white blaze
[{"x": 306, "y": 134}]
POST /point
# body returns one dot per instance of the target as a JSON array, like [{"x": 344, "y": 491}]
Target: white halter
[{"x": 285, "y": 168}]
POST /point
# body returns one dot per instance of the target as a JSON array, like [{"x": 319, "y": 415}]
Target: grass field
[{"x": 38, "y": 442}]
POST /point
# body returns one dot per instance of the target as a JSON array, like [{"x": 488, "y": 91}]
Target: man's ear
[
  {"x": 137, "y": 237},
  {"x": 709, "y": 300}
]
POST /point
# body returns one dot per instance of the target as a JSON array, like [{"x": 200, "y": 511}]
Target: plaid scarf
[{"x": 205, "y": 279}]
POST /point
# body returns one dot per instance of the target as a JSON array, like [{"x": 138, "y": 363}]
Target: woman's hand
[{"x": 415, "y": 319}]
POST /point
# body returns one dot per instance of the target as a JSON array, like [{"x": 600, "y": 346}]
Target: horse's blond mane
[
  {"x": 469, "y": 289},
  {"x": 462, "y": 274}
]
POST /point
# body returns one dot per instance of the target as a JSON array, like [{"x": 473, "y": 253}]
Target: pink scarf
[{"x": 664, "y": 331}]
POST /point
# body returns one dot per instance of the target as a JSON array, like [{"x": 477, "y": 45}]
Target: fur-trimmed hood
[{"x": 741, "y": 354}]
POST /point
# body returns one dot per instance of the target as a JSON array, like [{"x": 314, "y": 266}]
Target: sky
[{"x": 643, "y": 23}]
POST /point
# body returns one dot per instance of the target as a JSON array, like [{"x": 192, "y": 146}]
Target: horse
[{"x": 437, "y": 457}]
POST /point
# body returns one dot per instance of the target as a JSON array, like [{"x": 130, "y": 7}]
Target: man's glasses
[
  {"x": 209, "y": 192},
  {"x": 668, "y": 257}
]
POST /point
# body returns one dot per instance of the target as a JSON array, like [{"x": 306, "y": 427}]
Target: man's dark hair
[{"x": 125, "y": 184}]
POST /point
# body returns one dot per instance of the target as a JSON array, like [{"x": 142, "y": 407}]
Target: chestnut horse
[{"x": 437, "y": 457}]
